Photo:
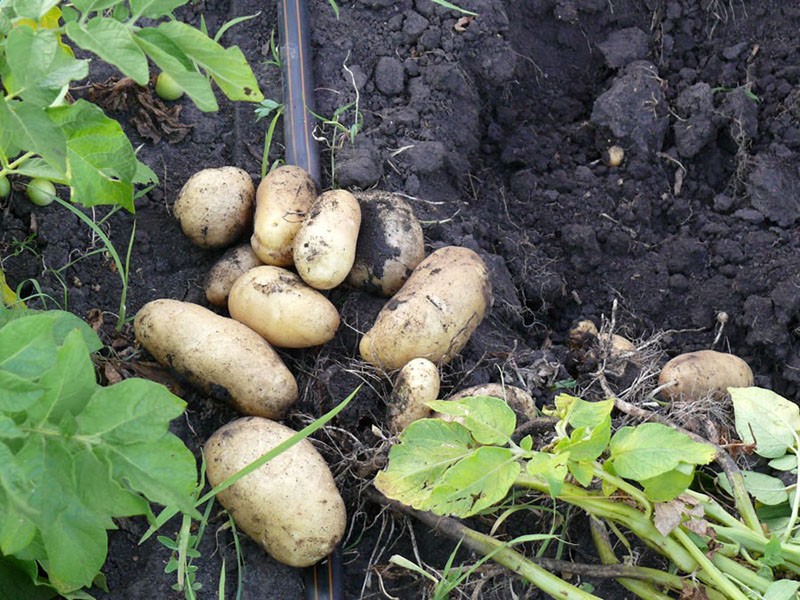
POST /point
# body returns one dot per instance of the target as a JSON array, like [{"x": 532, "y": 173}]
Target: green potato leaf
[
  {"x": 580, "y": 413},
  {"x": 171, "y": 59},
  {"x": 426, "y": 449},
  {"x": 489, "y": 420},
  {"x": 669, "y": 485},
  {"x": 765, "y": 419},
  {"x": 550, "y": 467},
  {"x": 153, "y": 9},
  {"x": 474, "y": 483},
  {"x": 101, "y": 160},
  {"x": 34, "y": 9},
  {"x": 227, "y": 66},
  {"x": 113, "y": 42},
  {"x": 764, "y": 488},
  {"x": 651, "y": 449},
  {"x": 783, "y": 589},
  {"x": 29, "y": 127}
]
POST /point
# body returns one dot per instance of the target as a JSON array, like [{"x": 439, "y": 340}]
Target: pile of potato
[{"x": 303, "y": 244}]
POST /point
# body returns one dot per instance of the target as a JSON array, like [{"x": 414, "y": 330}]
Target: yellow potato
[
  {"x": 290, "y": 505},
  {"x": 325, "y": 245},
  {"x": 434, "y": 313},
  {"x": 702, "y": 374},
  {"x": 278, "y": 305},
  {"x": 416, "y": 384},
  {"x": 283, "y": 200},
  {"x": 390, "y": 243},
  {"x": 233, "y": 264},
  {"x": 225, "y": 359},
  {"x": 215, "y": 206}
]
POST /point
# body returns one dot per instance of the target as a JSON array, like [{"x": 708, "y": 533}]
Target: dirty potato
[
  {"x": 434, "y": 313},
  {"x": 390, "y": 243},
  {"x": 215, "y": 206},
  {"x": 705, "y": 373},
  {"x": 278, "y": 305},
  {"x": 222, "y": 357},
  {"x": 325, "y": 245},
  {"x": 283, "y": 199},
  {"x": 232, "y": 265},
  {"x": 416, "y": 383},
  {"x": 290, "y": 505}
]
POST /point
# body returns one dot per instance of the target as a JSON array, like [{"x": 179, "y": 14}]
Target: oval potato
[
  {"x": 434, "y": 313},
  {"x": 416, "y": 383},
  {"x": 290, "y": 505},
  {"x": 283, "y": 199},
  {"x": 232, "y": 265},
  {"x": 325, "y": 245},
  {"x": 215, "y": 206},
  {"x": 222, "y": 357},
  {"x": 518, "y": 399},
  {"x": 279, "y": 306},
  {"x": 390, "y": 243},
  {"x": 695, "y": 375}
]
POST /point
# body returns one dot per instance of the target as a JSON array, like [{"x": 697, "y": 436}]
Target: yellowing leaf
[{"x": 489, "y": 420}]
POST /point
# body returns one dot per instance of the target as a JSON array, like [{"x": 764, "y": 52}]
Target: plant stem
[
  {"x": 626, "y": 487},
  {"x": 740, "y": 572},
  {"x": 496, "y": 550},
  {"x": 643, "y": 589},
  {"x": 708, "y": 572},
  {"x": 755, "y": 542}
]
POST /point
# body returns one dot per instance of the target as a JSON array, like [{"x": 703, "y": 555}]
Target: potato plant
[
  {"x": 74, "y": 143},
  {"x": 638, "y": 478}
]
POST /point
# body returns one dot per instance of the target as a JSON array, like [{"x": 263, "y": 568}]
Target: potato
[
  {"x": 232, "y": 265},
  {"x": 518, "y": 399},
  {"x": 434, "y": 313},
  {"x": 225, "y": 359},
  {"x": 215, "y": 206},
  {"x": 325, "y": 245},
  {"x": 290, "y": 505},
  {"x": 278, "y": 305},
  {"x": 283, "y": 199},
  {"x": 416, "y": 384},
  {"x": 390, "y": 244},
  {"x": 701, "y": 374}
]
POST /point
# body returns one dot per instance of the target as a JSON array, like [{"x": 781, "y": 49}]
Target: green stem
[
  {"x": 606, "y": 508},
  {"x": 498, "y": 551},
  {"x": 740, "y": 573},
  {"x": 626, "y": 487},
  {"x": 12, "y": 166},
  {"x": 755, "y": 543},
  {"x": 643, "y": 589},
  {"x": 708, "y": 572}
]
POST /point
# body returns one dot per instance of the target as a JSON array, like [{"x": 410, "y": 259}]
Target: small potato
[
  {"x": 435, "y": 312},
  {"x": 232, "y": 265},
  {"x": 215, "y": 206},
  {"x": 390, "y": 244},
  {"x": 701, "y": 374},
  {"x": 225, "y": 359},
  {"x": 290, "y": 505},
  {"x": 518, "y": 399},
  {"x": 325, "y": 245},
  {"x": 277, "y": 304},
  {"x": 283, "y": 199},
  {"x": 416, "y": 384}
]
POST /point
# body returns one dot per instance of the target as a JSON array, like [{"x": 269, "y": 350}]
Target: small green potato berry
[
  {"x": 167, "y": 88},
  {"x": 41, "y": 191},
  {"x": 5, "y": 186}
]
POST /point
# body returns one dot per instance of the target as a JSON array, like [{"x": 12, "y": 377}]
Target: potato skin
[
  {"x": 434, "y": 313},
  {"x": 390, "y": 244},
  {"x": 279, "y": 306},
  {"x": 416, "y": 383},
  {"x": 290, "y": 506},
  {"x": 215, "y": 206},
  {"x": 283, "y": 199},
  {"x": 225, "y": 359},
  {"x": 325, "y": 245},
  {"x": 518, "y": 399},
  {"x": 232, "y": 265},
  {"x": 703, "y": 373}
]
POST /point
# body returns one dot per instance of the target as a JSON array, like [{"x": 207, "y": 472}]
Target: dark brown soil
[{"x": 495, "y": 128}]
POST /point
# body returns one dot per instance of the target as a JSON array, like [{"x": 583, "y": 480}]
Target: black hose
[
  {"x": 323, "y": 581},
  {"x": 298, "y": 86}
]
